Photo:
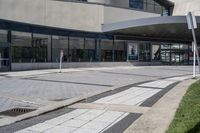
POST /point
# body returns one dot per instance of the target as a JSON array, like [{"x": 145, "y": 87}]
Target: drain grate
[{"x": 16, "y": 111}]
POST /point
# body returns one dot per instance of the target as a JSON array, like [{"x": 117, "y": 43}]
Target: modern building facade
[{"x": 32, "y": 33}]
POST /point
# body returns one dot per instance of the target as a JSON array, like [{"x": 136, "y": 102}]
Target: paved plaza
[
  {"x": 37, "y": 89},
  {"x": 136, "y": 91},
  {"x": 84, "y": 120}
]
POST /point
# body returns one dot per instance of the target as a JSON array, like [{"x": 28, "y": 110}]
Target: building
[{"x": 92, "y": 32}]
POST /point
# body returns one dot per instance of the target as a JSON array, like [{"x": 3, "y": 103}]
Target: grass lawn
[{"x": 187, "y": 118}]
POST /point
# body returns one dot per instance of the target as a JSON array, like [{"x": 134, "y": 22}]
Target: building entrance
[{"x": 4, "y": 58}]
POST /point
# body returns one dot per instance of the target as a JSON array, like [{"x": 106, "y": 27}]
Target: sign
[
  {"x": 133, "y": 51},
  {"x": 191, "y": 21}
]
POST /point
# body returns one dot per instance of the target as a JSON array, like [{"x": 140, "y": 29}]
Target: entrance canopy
[{"x": 164, "y": 28}]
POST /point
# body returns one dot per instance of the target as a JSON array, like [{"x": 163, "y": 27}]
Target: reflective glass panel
[{"x": 21, "y": 47}]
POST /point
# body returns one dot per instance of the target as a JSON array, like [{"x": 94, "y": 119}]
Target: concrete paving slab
[
  {"x": 81, "y": 122},
  {"x": 111, "y": 107},
  {"x": 158, "y": 84},
  {"x": 158, "y": 118},
  {"x": 60, "y": 129},
  {"x": 132, "y": 96}
]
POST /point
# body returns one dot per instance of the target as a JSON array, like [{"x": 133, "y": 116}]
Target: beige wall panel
[
  {"x": 29, "y": 11},
  {"x": 87, "y": 17},
  {"x": 69, "y": 15},
  {"x": 182, "y": 7},
  {"x": 112, "y": 14}
]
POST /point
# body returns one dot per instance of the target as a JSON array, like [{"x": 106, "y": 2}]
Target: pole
[
  {"x": 60, "y": 64},
  {"x": 61, "y": 56},
  {"x": 194, "y": 60},
  {"x": 195, "y": 48},
  {"x": 195, "y": 40}
]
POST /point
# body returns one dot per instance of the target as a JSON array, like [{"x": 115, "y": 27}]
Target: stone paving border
[
  {"x": 153, "y": 99},
  {"x": 123, "y": 124},
  {"x": 158, "y": 118}
]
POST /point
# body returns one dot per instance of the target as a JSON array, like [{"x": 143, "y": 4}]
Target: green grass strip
[{"x": 187, "y": 118}]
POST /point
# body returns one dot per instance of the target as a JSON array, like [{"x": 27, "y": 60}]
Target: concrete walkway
[
  {"x": 116, "y": 112},
  {"x": 158, "y": 118}
]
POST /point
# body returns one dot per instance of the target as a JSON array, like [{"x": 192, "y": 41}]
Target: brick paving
[
  {"x": 42, "y": 87},
  {"x": 102, "y": 120}
]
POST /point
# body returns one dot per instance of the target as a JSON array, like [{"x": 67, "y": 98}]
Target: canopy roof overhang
[
  {"x": 166, "y": 28},
  {"x": 166, "y": 2}
]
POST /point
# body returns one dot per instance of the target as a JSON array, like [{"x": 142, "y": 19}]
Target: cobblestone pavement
[
  {"x": 85, "y": 119},
  {"x": 43, "y": 87}
]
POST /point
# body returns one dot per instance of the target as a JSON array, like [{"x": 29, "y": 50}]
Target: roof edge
[
  {"x": 166, "y": 2},
  {"x": 145, "y": 22}
]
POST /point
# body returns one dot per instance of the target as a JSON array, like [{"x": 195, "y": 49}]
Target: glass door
[
  {"x": 4, "y": 59},
  {"x": 145, "y": 52},
  {"x": 165, "y": 53}
]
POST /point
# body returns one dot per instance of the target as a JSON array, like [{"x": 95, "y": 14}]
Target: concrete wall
[
  {"x": 112, "y": 14},
  {"x": 86, "y": 17},
  {"x": 69, "y": 15},
  {"x": 182, "y": 7}
]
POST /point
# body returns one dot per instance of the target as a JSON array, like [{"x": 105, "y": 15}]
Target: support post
[
  {"x": 194, "y": 59},
  {"x": 192, "y": 25},
  {"x": 61, "y": 58},
  {"x": 195, "y": 47},
  {"x": 113, "y": 50}
]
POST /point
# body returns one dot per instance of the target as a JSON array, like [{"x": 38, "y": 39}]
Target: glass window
[
  {"x": 165, "y": 11},
  {"x": 150, "y": 7},
  {"x": 165, "y": 53},
  {"x": 59, "y": 43},
  {"x": 76, "y": 49},
  {"x": 3, "y": 36},
  {"x": 138, "y": 4},
  {"x": 174, "y": 46},
  {"x": 158, "y": 9},
  {"x": 89, "y": 51},
  {"x": 184, "y": 53},
  {"x": 41, "y": 48},
  {"x": 144, "y": 51},
  {"x": 120, "y": 50},
  {"x": 183, "y": 46},
  {"x": 106, "y": 50},
  {"x": 21, "y": 47},
  {"x": 165, "y": 46}
]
